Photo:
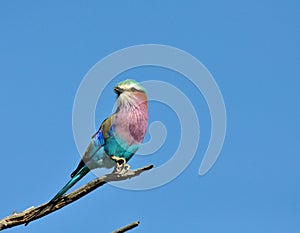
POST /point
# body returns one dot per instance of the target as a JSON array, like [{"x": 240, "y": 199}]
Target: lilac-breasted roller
[{"x": 119, "y": 135}]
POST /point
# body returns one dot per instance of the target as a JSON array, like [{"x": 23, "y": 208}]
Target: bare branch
[
  {"x": 34, "y": 213},
  {"x": 127, "y": 228}
]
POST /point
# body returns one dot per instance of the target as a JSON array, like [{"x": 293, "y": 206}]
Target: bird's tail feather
[{"x": 81, "y": 173}]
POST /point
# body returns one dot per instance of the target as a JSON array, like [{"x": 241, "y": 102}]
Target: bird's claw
[
  {"x": 123, "y": 169},
  {"x": 118, "y": 160},
  {"x": 121, "y": 166}
]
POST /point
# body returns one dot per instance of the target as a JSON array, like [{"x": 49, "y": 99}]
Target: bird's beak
[{"x": 118, "y": 90}]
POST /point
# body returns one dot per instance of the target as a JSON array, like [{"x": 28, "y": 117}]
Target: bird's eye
[{"x": 133, "y": 89}]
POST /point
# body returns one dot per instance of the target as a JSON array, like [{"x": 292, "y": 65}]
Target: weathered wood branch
[
  {"x": 127, "y": 228},
  {"x": 34, "y": 213}
]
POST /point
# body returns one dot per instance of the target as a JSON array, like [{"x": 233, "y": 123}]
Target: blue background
[{"x": 250, "y": 47}]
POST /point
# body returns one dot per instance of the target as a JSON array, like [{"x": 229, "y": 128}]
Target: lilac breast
[{"x": 131, "y": 124}]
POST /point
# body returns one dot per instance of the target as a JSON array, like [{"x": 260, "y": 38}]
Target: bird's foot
[{"x": 121, "y": 166}]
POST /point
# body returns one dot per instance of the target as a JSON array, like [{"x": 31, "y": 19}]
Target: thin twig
[
  {"x": 127, "y": 228},
  {"x": 33, "y": 213}
]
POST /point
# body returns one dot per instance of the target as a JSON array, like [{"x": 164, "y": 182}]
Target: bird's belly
[{"x": 115, "y": 146}]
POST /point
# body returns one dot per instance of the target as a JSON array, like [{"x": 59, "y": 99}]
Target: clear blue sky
[{"x": 250, "y": 47}]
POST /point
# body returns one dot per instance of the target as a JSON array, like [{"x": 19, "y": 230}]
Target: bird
[{"x": 118, "y": 137}]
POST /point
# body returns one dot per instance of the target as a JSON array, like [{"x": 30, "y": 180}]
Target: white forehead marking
[{"x": 128, "y": 86}]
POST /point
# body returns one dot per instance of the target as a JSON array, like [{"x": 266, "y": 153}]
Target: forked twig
[{"x": 34, "y": 213}]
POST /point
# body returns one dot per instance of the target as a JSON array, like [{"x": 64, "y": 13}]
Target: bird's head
[
  {"x": 130, "y": 93},
  {"x": 129, "y": 86}
]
